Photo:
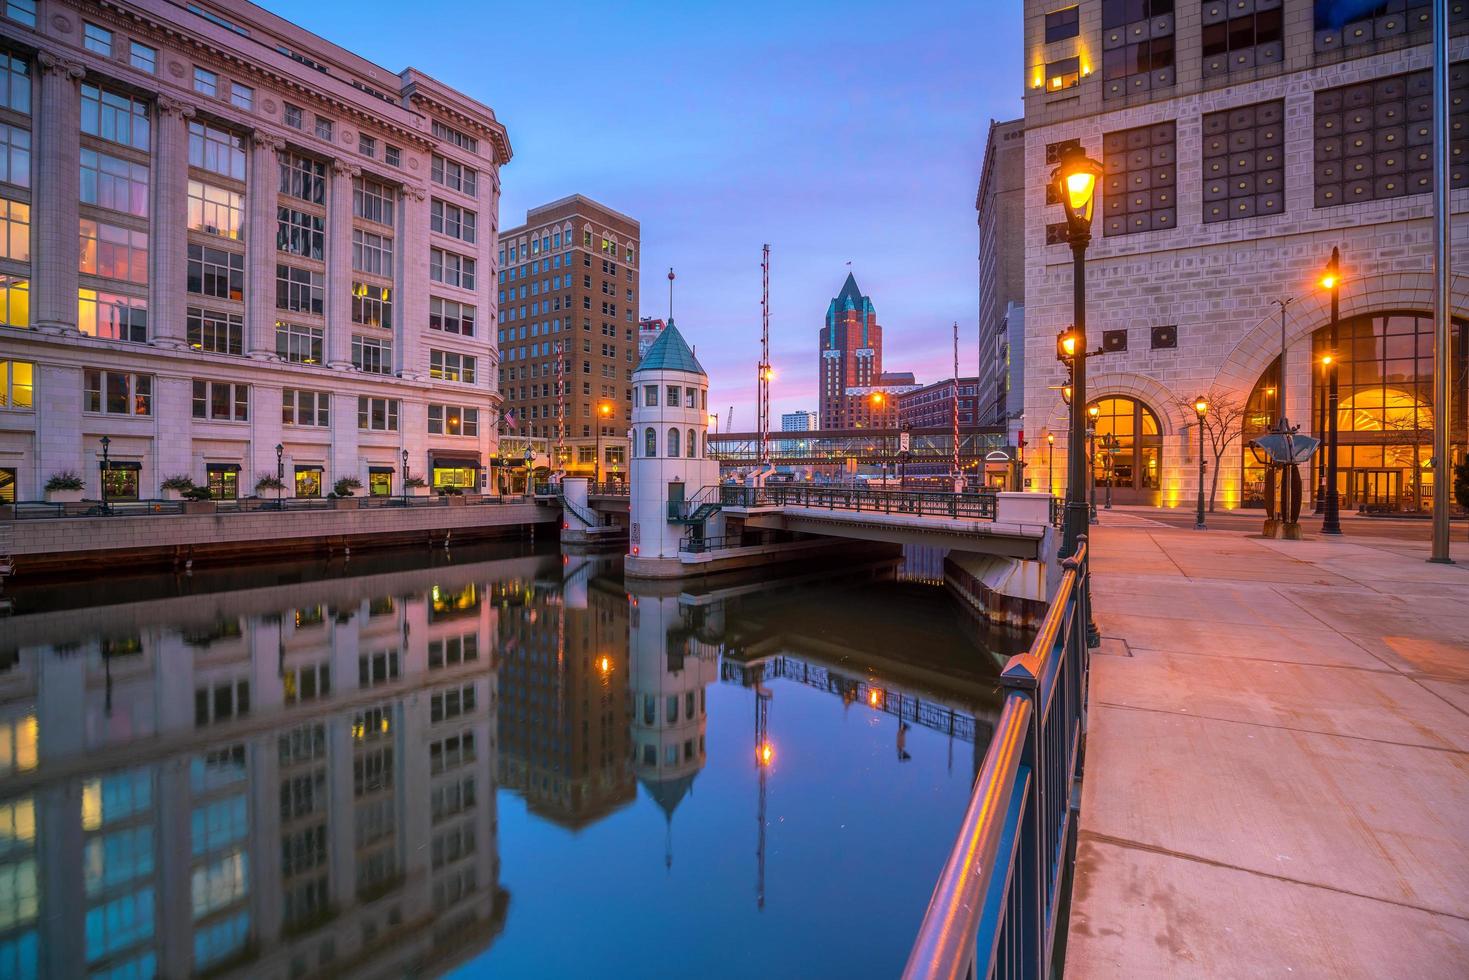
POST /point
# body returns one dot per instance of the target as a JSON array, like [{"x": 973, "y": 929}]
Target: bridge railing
[
  {"x": 996, "y": 907},
  {"x": 974, "y": 506},
  {"x": 692, "y": 544}
]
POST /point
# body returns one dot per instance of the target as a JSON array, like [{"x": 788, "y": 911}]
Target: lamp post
[
  {"x": 1331, "y": 515},
  {"x": 280, "y": 472},
  {"x": 1091, "y": 462},
  {"x": 1050, "y": 462},
  {"x": 405, "y": 477},
  {"x": 106, "y": 467},
  {"x": 1075, "y": 184},
  {"x": 604, "y": 410},
  {"x": 1319, "y": 504},
  {"x": 1109, "y": 456},
  {"x": 1201, "y": 408}
]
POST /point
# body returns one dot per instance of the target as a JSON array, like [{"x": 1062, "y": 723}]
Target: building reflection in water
[{"x": 271, "y": 783}]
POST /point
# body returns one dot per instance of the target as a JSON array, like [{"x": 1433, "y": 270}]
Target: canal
[{"x": 500, "y": 762}]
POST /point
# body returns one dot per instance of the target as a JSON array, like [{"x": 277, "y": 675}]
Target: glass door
[{"x": 1377, "y": 489}]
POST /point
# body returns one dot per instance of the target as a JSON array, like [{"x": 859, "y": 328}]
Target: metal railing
[
  {"x": 692, "y": 544},
  {"x": 609, "y": 488},
  {"x": 996, "y": 907},
  {"x": 46, "y": 510},
  {"x": 972, "y": 506}
]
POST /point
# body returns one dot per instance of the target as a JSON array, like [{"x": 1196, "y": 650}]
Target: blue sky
[{"x": 834, "y": 131}]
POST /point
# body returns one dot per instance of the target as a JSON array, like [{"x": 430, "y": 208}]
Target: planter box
[
  {"x": 419, "y": 491},
  {"x": 200, "y": 507},
  {"x": 64, "y": 496},
  {"x": 172, "y": 494},
  {"x": 345, "y": 503},
  {"x": 455, "y": 499}
]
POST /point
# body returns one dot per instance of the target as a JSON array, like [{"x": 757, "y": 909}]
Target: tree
[{"x": 1223, "y": 426}]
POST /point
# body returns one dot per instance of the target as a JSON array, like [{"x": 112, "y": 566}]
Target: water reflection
[{"x": 289, "y": 780}]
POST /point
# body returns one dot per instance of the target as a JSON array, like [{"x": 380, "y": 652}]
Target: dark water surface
[{"x": 499, "y": 762}]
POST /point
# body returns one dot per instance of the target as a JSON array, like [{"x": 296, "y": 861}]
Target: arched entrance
[
  {"x": 1384, "y": 367},
  {"x": 1129, "y": 450}
]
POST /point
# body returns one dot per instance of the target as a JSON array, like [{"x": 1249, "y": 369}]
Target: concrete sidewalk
[{"x": 1277, "y": 770}]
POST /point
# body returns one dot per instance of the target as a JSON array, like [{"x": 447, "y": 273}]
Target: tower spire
[{"x": 670, "y": 294}]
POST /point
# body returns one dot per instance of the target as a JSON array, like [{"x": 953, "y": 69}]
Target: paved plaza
[{"x": 1277, "y": 769}]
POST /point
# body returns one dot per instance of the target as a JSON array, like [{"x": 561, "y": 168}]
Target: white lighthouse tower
[{"x": 675, "y": 485}]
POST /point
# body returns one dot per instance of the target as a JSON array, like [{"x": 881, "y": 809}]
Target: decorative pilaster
[
  {"x": 260, "y": 245},
  {"x": 339, "y": 267},
  {"x": 56, "y": 216},
  {"x": 166, "y": 303},
  {"x": 412, "y": 314}
]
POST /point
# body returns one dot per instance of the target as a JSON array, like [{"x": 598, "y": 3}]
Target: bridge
[{"x": 929, "y": 449}]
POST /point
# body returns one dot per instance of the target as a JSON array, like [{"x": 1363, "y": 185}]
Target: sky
[{"x": 834, "y": 132}]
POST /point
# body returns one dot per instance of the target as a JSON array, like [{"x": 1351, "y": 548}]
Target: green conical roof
[{"x": 670, "y": 353}]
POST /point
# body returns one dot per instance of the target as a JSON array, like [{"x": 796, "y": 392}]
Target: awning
[
  {"x": 458, "y": 462},
  {"x": 121, "y": 464},
  {"x": 222, "y": 466},
  {"x": 381, "y": 469}
]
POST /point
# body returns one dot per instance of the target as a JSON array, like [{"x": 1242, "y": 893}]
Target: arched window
[
  {"x": 650, "y": 443},
  {"x": 1129, "y": 449},
  {"x": 691, "y": 447},
  {"x": 673, "y": 443}
]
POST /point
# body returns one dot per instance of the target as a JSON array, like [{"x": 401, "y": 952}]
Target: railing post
[{"x": 1029, "y": 874}]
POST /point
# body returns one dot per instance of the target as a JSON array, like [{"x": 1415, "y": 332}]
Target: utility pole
[
  {"x": 763, "y": 371},
  {"x": 954, "y": 413},
  {"x": 1442, "y": 311}
]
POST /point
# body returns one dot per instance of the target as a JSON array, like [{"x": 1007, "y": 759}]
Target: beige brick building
[
  {"x": 280, "y": 244},
  {"x": 569, "y": 293},
  {"x": 1241, "y": 141}
]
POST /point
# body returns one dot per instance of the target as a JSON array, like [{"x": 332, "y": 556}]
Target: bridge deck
[{"x": 1277, "y": 771}]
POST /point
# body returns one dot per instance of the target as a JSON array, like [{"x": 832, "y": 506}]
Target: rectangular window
[
  {"x": 206, "y": 82},
  {"x": 1138, "y": 181},
  {"x": 114, "y": 251},
  {"x": 21, "y": 11},
  {"x": 451, "y": 268},
  {"x": 1137, "y": 47},
  {"x": 450, "y": 135},
  {"x": 1243, "y": 41},
  {"x": 299, "y": 344},
  {"x": 301, "y": 407},
  {"x": 1244, "y": 162},
  {"x": 15, "y": 301},
  {"x": 453, "y": 420},
  {"x": 216, "y": 272},
  {"x": 366, "y": 145},
  {"x": 373, "y": 200},
  {"x": 17, "y": 384},
  {"x": 216, "y": 150},
  {"x": 15, "y": 155},
  {"x": 299, "y": 290},
  {"x": 372, "y": 253},
  {"x": 15, "y": 83},
  {"x": 452, "y": 220},
  {"x": 323, "y": 129},
  {"x": 112, "y": 316},
  {"x": 15, "y": 231},
  {"x": 442, "y": 706},
  {"x": 116, "y": 393},
  {"x": 303, "y": 177},
  {"x": 377, "y": 414},
  {"x": 450, "y": 317},
  {"x": 1369, "y": 23},
  {"x": 372, "y": 356},
  {"x": 222, "y": 401},
  {"x": 372, "y": 305},
  {"x": 97, "y": 39},
  {"x": 1063, "y": 23},
  {"x": 300, "y": 233},
  {"x": 111, "y": 116},
  {"x": 212, "y": 210},
  {"x": 1063, "y": 74},
  {"x": 451, "y": 366},
  {"x": 294, "y": 116},
  {"x": 1374, "y": 140},
  {"x": 143, "y": 58},
  {"x": 377, "y": 668},
  {"x": 218, "y": 333},
  {"x": 242, "y": 96},
  {"x": 392, "y": 155},
  {"x": 454, "y": 176},
  {"x": 114, "y": 183}
]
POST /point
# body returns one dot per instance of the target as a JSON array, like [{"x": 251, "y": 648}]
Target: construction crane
[
  {"x": 729, "y": 423},
  {"x": 763, "y": 373}
]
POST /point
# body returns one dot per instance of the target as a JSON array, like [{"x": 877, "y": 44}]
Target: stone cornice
[
  {"x": 170, "y": 106},
  {"x": 53, "y": 63}
]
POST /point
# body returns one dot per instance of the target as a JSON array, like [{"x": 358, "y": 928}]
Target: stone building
[
  {"x": 223, "y": 235},
  {"x": 569, "y": 316},
  {"x": 1240, "y": 144},
  {"x": 1000, "y": 207}
]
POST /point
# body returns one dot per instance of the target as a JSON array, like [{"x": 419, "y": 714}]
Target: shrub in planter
[
  {"x": 64, "y": 487},
  {"x": 198, "y": 493},
  {"x": 269, "y": 484},
  {"x": 175, "y": 487},
  {"x": 346, "y": 486},
  {"x": 415, "y": 486}
]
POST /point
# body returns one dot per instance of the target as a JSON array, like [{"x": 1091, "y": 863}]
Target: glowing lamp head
[
  {"x": 1326, "y": 359},
  {"x": 1201, "y": 406},
  {"x": 766, "y": 754},
  {"x": 1094, "y": 411},
  {"x": 1066, "y": 394},
  {"x": 605, "y": 408},
  {"x": 1074, "y": 182},
  {"x": 1068, "y": 342},
  {"x": 605, "y": 665},
  {"x": 1050, "y": 438},
  {"x": 1329, "y": 281}
]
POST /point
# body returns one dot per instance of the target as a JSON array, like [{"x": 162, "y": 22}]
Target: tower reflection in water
[{"x": 294, "y": 780}]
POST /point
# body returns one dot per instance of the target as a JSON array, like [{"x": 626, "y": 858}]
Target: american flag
[{"x": 509, "y": 420}]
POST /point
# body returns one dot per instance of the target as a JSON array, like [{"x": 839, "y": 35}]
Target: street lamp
[
  {"x": 405, "y": 476},
  {"x": 1091, "y": 457},
  {"x": 106, "y": 467},
  {"x": 1331, "y": 280},
  {"x": 1109, "y": 464},
  {"x": 1075, "y": 183},
  {"x": 1319, "y": 503},
  {"x": 1201, "y": 409},
  {"x": 604, "y": 411},
  {"x": 280, "y": 473},
  {"x": 1050, "y": 462}
]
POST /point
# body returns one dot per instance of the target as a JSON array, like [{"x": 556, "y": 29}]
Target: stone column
[
  {"x": 260, "y": 248},
  {"x": 166, "y": 303},
  {"x": 56, "y": 216},
  {"x": 411, "y": 315},
  {"x": 339, "y": 267}
]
